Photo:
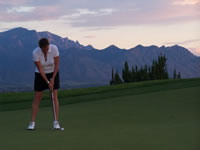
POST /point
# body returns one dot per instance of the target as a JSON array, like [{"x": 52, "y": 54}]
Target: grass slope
[
  {"x": 154, "y": 115},
  {"x": 23, "y": 100}
]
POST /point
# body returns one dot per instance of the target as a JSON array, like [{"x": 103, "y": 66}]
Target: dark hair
[{"x": 43, "y": 42}]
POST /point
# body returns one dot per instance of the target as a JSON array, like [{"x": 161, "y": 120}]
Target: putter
[{"x": 54, "y": 108}]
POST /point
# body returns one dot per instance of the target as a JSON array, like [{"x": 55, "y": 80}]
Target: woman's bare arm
[{"x": 56, "y": 68}]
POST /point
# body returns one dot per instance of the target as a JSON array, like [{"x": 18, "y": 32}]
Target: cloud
[
  {"x": 24, "y": 14},
  {"x": 89, "y": 36},
  {"x": 20, "y": 9},
  {"x": 79, "y": 13},
  {"x": 85, "y": 12},
  {"x": 183, "y": 42},
  {"x": 12, "y": 2},
  {"x": 104, "y": 13},
  {"x": 99, "y": 28},
  {"x": 18, "y": 3},
  {"x": 139, "y": 13}
]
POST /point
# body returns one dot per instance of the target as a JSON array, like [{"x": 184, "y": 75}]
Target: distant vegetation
[
  {"x": 158, "y": 71},
  {"x": 176, "y": 76}
]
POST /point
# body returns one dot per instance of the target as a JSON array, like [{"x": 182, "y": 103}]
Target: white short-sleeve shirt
[{"x": 48, "y": 66}]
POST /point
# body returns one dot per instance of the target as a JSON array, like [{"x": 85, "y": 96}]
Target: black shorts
[{"x": 40, "y": 84}]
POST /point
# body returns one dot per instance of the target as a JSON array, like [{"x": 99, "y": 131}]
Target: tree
[
  {"x": 164, "y": 61},
  {"x": 141, "y": 74},
  {"x": 161, "y": 68},
  {"x": 117, "y": 78},
  {"x": 113, "y": 77},
  {"x": 150, "y": 73},
  {"x": 157, "y": 71},
  {"x": 136, "y": 74},
  {"x": 146, "y": 74},
  {"x": 154, "y": 70},
  {"x": 126, "y": 74},
  {"x": 179, "y": 76},
  {"x": 133, "y": 75},
  {"x": 175, "y": 76}
]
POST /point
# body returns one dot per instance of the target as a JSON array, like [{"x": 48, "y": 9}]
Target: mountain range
[{"x": 82, "y": 66}]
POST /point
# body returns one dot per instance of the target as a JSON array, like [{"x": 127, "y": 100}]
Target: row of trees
[
  {"x": 158, "y": 71},
  {"x": 176, "y": 76}
]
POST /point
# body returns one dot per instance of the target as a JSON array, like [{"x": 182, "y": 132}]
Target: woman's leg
[
  {"x": 35, "y": 105},
  {"x": 55, "y": 93}
]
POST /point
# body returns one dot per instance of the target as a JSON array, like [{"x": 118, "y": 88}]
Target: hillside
[{"x": 23, "y": 100}]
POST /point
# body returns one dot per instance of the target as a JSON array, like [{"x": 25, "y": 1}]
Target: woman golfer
[{"x": 46, "y": 59}]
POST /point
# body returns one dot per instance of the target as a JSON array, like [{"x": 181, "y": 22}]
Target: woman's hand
[
  {"x": 50, "y": 86},
  {"x": 52, "y": 82}
]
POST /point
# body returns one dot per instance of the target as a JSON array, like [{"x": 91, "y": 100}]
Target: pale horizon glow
[
  {"x": 186, "y": 2},
  {"x": 125, "y": 24}
]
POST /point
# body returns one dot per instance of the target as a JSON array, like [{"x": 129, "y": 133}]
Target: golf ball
[{"x": 62, "y": 129}]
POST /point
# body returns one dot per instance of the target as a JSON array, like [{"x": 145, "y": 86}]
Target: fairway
[{"x": 156, "y": 115}]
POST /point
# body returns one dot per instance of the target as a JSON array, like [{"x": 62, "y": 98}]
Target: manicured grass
[
  {"x": 154, "y": 115},
  {"x": 23, "y": 100}
]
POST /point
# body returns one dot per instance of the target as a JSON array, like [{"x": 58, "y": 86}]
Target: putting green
[{"x": 157, "y": 120}]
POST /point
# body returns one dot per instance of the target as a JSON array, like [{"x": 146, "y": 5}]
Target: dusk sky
[{"x": 124, "y": 23}]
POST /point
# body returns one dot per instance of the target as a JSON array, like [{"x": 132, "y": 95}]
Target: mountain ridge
[{"x": 81, "y": 64}]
